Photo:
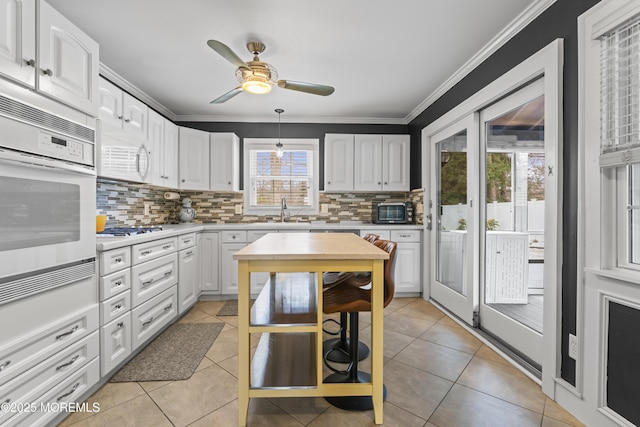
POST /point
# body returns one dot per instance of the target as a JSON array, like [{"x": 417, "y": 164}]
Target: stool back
[
  {"x": 389, "y": 268},
  {"x": 370, "y": 237}
]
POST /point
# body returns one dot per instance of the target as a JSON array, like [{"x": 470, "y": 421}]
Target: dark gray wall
[
  {"x": 559, "y": 21},
  {"x": 295, "y": 130}
]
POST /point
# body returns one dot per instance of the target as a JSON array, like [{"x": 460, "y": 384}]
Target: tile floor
[{"x": 436, "y": 374}]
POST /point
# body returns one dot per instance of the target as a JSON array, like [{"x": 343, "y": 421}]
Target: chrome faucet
[{"x": 283, "y": 208}]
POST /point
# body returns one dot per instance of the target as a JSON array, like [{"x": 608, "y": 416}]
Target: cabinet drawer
[
  {"x": 114, "y": 283},
  {"x": 115, "y": 339},
  {"x": 24, "y": 389},
  {"x": 24, "y": 354},
  {"x": 253, "y": 235},
  {"x": 150, "y": 278},
  {"x": 114, "y": 307},
  {"x": 186, "y": 241},
  {"x": 114, "y": 260},
  {"x": 150, "y": 317},
  {"x": 234, "y": 236},
  {"x": 65, "y": 392},
  {"x": 405, "y": 236},
  {"x": 152, "y": 250}
]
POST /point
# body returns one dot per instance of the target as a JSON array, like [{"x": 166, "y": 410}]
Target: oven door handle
[{"x": 35, "y": 161}]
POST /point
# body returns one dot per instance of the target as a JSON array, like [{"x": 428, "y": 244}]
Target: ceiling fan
[{"x": 257, "y": 76}]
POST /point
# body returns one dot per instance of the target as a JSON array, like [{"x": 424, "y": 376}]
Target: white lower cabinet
[
  {"x": 229, "y": 271},
  {"x": 115, "y": 339},
  {"x": 407, "y": 274},
  {"x": 151, "y": 316},
  {"x": 208, "y": 254},
  {"x": 187, "y": 276}
]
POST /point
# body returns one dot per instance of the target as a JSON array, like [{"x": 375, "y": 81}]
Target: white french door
[
  {"x": 512, "y": 212},
  {"x": 454, "y": 187}
]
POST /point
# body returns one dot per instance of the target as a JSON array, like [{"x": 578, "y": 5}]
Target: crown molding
[
  {"x": 514, "y": 27},
  {"x": 289, "y": 119}
]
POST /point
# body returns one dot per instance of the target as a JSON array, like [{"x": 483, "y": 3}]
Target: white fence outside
[{"x": 501, "y": 212}]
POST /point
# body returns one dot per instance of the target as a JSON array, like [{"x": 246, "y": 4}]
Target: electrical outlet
[
  {"x": 573, "y": 347},
  {"x": 324, "y": 208},
  {"x": 238, "y": 209},
  {"x": 147, "y": 208}
]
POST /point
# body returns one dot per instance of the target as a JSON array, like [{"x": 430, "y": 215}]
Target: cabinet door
[
  {"x": 229, "y": 271},
  {"x": 193, "y": 159},
  {"x": 368, "y": 163},
  {"x": 225, "y": 162},
  {"x": 407, "y": 270},
  {"x": 68, "y": 62},
  {"x": 155, "y": 142},
  {"x": 134, "y": 116},
  {"x": 187, "y": 265},
  {"x": 110, "y": 104},
  {"x": 395, "y": 163},
  {"x": 170, "y": 155},
  {"x": 18, "y": 40},
  {"x": 116, "y": 342},
  {"x": 209, "y": 261},
  {"x": 338, "y": 162}
]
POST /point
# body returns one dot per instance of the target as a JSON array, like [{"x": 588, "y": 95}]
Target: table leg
[
  {"x": 244, "y": 353},
  {"x": 377, "y": 334}
]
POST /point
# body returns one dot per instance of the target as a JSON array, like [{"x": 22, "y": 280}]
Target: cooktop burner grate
[{"x": 128, "y": 231}]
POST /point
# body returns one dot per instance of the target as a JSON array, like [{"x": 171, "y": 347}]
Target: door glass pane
[
  {"x": 633, "y": 209},
  {"x": 38, "y": 213},
  {"x": 514, "y": 212},
  {"x": 451, "y": 212}
]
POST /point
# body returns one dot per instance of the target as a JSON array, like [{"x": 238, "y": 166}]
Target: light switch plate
[{"x": 238, "y": 209}]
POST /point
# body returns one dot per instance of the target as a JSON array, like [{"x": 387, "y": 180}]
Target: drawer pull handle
[
  {"x": 70, "y": 362},
  {"x": 189, "y": 253},
  {"x": 186, "y": 241},
  {"x": 166, "y": 247},
  {"x": 144, "y": 324},
  {"x": 75, "y": 387},
  {"x": 118, "y": 306},
  {"x": 118, "y": 283},
  {"x": 75, "y": 328},
  {"x": 143, "y": 253},
  {"x": 167, "y": 308},
  {"x": 120, "y": 324},
  {"x": 119, "y": 259},
  {"x": 5, "y": 364},
  {"x": 168, "y": 273},
  {"x": 148, "y": 282}
]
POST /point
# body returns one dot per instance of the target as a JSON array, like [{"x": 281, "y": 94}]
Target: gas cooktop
[{"x": 127, "y": 231}]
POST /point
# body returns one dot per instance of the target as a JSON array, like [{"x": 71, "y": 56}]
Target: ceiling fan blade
[
  {"x": 226, "y": 52},
  {"x": 306, "y": 87},
  {"x": 227, "y": 96}
]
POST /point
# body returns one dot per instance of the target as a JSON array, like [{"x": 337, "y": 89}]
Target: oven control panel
[{"x": 65, "y": 148}]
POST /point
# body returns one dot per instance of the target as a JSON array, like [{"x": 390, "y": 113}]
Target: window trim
[{"x": 311, "y": 144}]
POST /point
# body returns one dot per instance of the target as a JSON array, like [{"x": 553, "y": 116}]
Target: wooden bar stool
[
  {"x": 337, "y": 349},
  {"x": 350, "y": 298}
]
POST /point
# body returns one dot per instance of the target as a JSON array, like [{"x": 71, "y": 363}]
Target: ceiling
[{"x": 386, "y": 59}]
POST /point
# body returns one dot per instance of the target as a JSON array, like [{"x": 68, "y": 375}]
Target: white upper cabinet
[
  {"x": 368, "y": 163},
  {"x": 170, "y": 154},
  {"x": 193, "y": 158},
  {"x": 67, "y": 62},
  {"x": 65, "y": 67},
  {"x": 395, "y": 162},
  {"x": 18, "y": 40},
  {"x": 163, "y": 149},
  {"x": 225, "y": 162},
  {"x": 338, "y": 162},
  {"x": 122, "y": 114}
]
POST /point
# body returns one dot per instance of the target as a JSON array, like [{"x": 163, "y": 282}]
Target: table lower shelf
[{"x": 284, "y": 361}]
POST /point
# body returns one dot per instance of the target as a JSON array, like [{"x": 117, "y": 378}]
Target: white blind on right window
[{"x": 620, "y": 87}]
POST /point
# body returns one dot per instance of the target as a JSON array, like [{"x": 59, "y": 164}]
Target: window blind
[
  {"x": 620, "y": 87},
  {"x": 273, "y": 177}
]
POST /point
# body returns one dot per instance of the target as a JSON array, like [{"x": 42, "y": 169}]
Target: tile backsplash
[{"x": 124, "y": 204}]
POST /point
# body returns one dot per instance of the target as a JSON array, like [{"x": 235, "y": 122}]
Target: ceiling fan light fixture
[{"x": 258, "y": 87}]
